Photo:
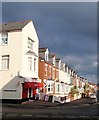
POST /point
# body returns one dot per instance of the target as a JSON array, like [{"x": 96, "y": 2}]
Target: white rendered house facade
[
  {"x": 18, "y": 59},
  {"x": 64, "y": 78}
]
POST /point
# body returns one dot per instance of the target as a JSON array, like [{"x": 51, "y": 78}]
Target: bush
[{"x": 73, "y": 91}]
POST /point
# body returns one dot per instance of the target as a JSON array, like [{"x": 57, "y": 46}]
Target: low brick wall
[{"x": 60, "y": 99}]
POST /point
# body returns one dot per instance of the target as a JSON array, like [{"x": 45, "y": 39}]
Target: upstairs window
[
  {"x": 5, "y": 62},
  {"x": 30, "y": 43},
  {"x": 46, "y": 56},
  {"x": 45, "y": 70},
  {"x": 56, "y": 74},
  {"x": 29, "y": 63},
  {"x": 34, "y": 64},
  {"x": 53, "y": 76},
  {"x": 49, "y": 71},
  {"x": 4, "y": 38},
  {"x": 54, "y": 61}
]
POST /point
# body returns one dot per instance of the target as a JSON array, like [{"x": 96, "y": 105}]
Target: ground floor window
[
  {"x": 62, "y": 88},
  {"x": 57, "y": 88},
  {"x": 5, "y": 62},
  {"x": 50, "y": 87},
  {"x": 67, "y": 89}
]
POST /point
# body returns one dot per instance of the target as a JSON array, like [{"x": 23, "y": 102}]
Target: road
[{"x": 83, "y": 108}]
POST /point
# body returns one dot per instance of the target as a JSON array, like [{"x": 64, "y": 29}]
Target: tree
[
  {"x": 73, "y": 91},
  {"x": 86, "y": 88}
]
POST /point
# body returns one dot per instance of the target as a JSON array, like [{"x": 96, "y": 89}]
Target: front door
[
  {"x": 34, "y": 92},
  {"x": 30, "y": 93},
  {"x": 24, "y": 92}
]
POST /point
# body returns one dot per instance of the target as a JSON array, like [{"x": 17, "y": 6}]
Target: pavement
[
  {"x": 40, "y": 103},
  {"x": 44, "y": 104},
  {"x": 31, "y": 104}
]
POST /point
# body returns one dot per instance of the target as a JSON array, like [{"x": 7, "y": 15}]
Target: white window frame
[
  {"x": 50, "y": 86},
  {"x": 57, "y": 87},
  {"x": 35, "y": 64},
  {"x": 46, "y": 56},
  {"x": 5, "y": 62},
  {"x": 66, "y": 88},
  {"x": 30, "y": 43},
  {"x": 62, "y": 88},
  {"x": 54, "y": 60},
  {"x": 4, "y": 38},
  {"x": 29, "y": 67}
]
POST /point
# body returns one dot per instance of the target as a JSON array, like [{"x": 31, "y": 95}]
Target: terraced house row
[{"x": 30, "y": 72}]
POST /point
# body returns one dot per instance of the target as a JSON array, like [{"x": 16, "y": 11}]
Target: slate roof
[
  {"x": 51, "y": 55},
  {"x": 42, "y": 49},
  {"x": 12, "y": 26},
  {"x": 58, "y": 59}
]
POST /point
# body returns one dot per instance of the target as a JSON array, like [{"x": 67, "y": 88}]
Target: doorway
[{"x": 30, "y": 93}]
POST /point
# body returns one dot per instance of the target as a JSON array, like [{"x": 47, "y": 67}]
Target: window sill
[
  {"x": 4, "y": 70},
  {"x": 57, "y": 92},
  {"x": 3, "y": 44}
]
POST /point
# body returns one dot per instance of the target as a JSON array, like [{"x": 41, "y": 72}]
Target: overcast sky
[{"x": 68, "y": 29}]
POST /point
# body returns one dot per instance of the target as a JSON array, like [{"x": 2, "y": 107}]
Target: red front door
[
  {"x": 24, "y": 92},
  {"x": 34, "y": 93}
]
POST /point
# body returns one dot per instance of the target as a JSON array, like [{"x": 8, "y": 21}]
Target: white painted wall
[
  {"x": 62, "y": 66},
  {"x": 17, "y": 47},
  {"x": 64, "y": 77},
  {"x": 58, "y": 64},
  {"x": 13, "y": 49},
  {"x": 29, "y": 31}
]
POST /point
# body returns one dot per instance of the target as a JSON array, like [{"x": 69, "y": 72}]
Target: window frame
[
  {"x": 4, "y": 36},
  {"x": 29, "y": 67},
  {"x": 57, "y": 87},
  {"x": 5, "y": 62},
  {"x": 53, "y": 73},
  {"x": 49, "y": 71},
  {"x": 57, "y": 74},
  {"x": 46, "y": 69},
  {"x": 50, "y": 87},
  {"x": 35, "y": 64},
  {"x": 30, "y": 43}
]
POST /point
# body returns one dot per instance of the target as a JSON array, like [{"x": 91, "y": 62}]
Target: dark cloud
[{"x": 67, "y": 29}]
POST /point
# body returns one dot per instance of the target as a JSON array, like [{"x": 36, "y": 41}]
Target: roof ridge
[
  {"x": 11, "y": 26},
  {"x": 43, "y": 48},
  {"x": 16, "y": 22}
]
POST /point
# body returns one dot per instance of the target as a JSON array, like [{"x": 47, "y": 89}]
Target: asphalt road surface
[{"x": 82, "y": 108}]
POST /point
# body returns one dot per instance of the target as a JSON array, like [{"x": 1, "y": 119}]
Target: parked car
[{"x": 93, "y": 95}]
